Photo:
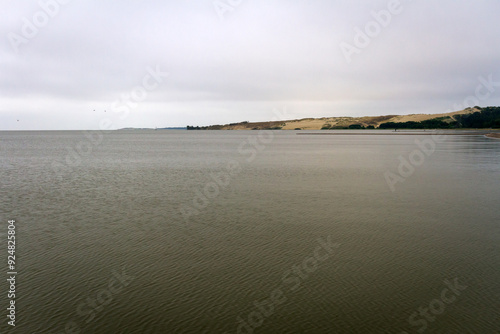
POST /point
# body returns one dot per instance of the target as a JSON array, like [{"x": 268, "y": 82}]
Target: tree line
[{"x": 488, "y": 117}]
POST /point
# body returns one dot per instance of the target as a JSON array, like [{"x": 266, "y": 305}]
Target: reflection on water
[{"x": 251, "y": 232}]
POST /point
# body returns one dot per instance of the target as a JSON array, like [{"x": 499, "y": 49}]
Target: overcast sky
[{"x": 72, "y": 64}]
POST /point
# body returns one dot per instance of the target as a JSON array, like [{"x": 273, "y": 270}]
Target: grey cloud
[{"x": 262, "y": 55}]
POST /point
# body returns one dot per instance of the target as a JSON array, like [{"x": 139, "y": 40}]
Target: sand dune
[
  {"x": 339, "y": 122},
  {"x": 493, "y": 135}
]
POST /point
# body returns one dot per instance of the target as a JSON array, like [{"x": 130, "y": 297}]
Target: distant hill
[{"x": 476, "y": 117}]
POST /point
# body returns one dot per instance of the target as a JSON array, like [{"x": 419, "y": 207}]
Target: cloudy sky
[{"x": 70, "y": 64}]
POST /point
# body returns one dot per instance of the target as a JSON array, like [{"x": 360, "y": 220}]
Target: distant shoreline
[
  {"x": 406, "y": 133},
  {"x": 477, "y": 117},
  {"x": 494, "y": 135}
]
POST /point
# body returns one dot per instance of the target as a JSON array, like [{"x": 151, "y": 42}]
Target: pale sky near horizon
[{"x": 71, "y": 64}]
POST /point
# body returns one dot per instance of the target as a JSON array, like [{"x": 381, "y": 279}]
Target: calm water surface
[{"x": 241, "y": 232}]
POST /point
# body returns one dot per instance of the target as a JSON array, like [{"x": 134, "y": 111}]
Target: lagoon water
[{"x": 241, "y": 232}]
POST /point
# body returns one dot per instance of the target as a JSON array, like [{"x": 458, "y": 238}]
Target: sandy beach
[{"x": 495, "y": 135}]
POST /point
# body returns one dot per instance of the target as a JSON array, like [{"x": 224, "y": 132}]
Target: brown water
[{"x": 301, "y": 234}]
